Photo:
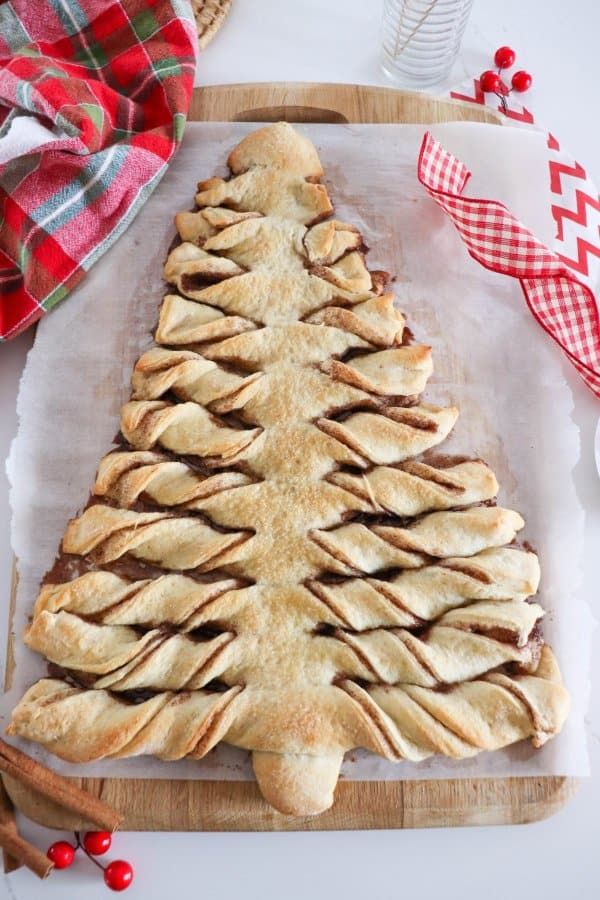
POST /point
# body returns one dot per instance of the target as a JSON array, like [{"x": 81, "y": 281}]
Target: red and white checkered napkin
[
  {"x": 574, "y": 199},
  {"x": 564, "y": 307}
]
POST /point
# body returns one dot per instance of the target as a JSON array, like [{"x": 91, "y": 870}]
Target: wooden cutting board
[{"x": 157, "y": 805}]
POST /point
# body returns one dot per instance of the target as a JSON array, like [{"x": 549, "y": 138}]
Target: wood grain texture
[
  {"x": 238, "y": 806},
  {"x": 153, "y": 805},
  {"x": 337, "y": 103}
]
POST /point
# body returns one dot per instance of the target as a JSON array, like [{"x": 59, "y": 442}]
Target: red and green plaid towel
[{"x": 93, "y": 102}]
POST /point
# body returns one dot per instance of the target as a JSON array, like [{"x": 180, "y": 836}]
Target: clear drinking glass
[{"x": 420, "y": 39}]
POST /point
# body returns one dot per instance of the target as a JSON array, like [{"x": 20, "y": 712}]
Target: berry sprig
[
  {"x": 491, "y": 82},
  {"x": 118, "y": 874}
]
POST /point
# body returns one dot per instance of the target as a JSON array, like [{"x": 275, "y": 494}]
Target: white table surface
[{"x": 313, "y": 40}]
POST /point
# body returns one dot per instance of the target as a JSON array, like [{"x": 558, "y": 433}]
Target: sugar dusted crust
[{"x": 273, "y": 557}]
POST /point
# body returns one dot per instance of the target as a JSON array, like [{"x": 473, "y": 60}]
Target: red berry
[
  {"x": 521, "y": 81},
  {"x": 489, "y": 82},
  {"x": 504, "y": 57},
  {"x": 97, "y": 842},
  {"x": 61, "y": 853},
  {"x": 118, "y": 875}
]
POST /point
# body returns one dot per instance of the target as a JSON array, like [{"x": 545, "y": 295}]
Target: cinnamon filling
[{"x": 68, "y": 566}]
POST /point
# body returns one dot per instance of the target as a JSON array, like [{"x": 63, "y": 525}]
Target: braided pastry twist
[
  {"x": 191, "y": 377},
  {"x": 196, "y": 227},
  {"x": 127, "y": 477},
  {"x": 168, "y": 725},
  {"x": 394, "y": 434},
  {"x": 124, "y": 661},
  {"x": 175, "y": 600},
  {"x": 389, "y": 373},
  {"x": 182, "y": 322},
  {"x": 414, "y": 488},
  {"x": 184, "y": 428},
  {"x": 375, "y": 321},
  {"x": 358, "y": 548},
  {"x": 328, "y": 241},
  {"x": 414, "y": 597},
  {"x": 105, "y": 534},
  {"x": 192, "y": 262}
]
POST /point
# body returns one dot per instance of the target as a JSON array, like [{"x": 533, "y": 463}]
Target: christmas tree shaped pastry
[{"x": 274, "y": 556}]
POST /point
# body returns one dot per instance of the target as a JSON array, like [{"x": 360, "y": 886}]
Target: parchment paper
[{"x": 490, "y": 358}]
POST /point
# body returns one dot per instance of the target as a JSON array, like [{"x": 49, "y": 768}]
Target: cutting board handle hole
[{"x": 291, "y": 114}]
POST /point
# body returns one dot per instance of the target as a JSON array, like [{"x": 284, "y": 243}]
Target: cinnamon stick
[
  {"x": 8, "y": 824},
  {"x": 60, "y": 790},
  {"x": 26, "y": 853},
  {"x": 17, "y": 851}
]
